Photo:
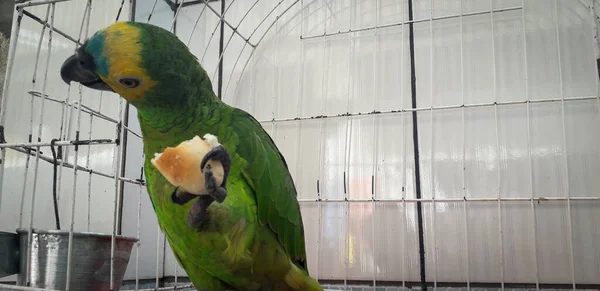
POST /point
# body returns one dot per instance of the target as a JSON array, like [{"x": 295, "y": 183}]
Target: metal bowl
[
  {"x": 9, "y": 253},
  {"x": 90, "y": 259}
]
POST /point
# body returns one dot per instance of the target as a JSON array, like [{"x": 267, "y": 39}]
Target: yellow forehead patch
[{"x": 123, "y": 52}]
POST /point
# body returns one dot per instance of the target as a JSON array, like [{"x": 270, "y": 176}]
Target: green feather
[{"x": 261, "y": 215}]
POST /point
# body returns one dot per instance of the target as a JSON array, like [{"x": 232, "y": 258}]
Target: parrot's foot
[
  {"x": 198, "y": 212},
  {"x": 218, "y": 193},
  {"x": 239, "y": 240},
  {"x": 219, "y": 153},
  {"x": 197, "y": 215},
  {"x": 181, "y": 197}
]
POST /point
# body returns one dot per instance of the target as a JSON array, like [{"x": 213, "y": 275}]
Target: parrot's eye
[{"x": 129, "y": 82}]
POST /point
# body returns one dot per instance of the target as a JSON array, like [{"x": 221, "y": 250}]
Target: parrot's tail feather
[{"x": 299, "y": 280}]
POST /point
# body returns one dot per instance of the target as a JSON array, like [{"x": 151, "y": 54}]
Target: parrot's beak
[{"x": 80, "y": 68}]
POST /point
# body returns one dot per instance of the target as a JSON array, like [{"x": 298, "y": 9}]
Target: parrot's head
[{"x": 145, "y": 64}]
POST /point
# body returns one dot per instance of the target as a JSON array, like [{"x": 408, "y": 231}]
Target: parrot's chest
[
  {"x": 220, "y": 216},
  {"x": 226, "y": 225}
]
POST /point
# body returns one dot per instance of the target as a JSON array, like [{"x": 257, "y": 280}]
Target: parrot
[{"x": 253, "y": 237}]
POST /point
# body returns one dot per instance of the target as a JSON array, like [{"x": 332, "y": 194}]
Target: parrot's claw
[
  {"x": 218, "y": 193},
  {"x": 198, "y": 211},
  {"x": 181, "y": 197},
  {"x": 197, "y": 215},
  {"x": 218, "y": 153}
]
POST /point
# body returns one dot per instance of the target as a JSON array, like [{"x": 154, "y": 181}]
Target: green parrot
[{"x": 253, "y": 237}]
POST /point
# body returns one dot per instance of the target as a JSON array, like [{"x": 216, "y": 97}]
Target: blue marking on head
[{"x": 95, "y": 47}]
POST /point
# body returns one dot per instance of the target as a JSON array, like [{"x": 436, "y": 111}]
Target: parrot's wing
[{"x": 268, "y": 175}]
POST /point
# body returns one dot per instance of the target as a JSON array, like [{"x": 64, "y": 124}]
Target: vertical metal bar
[
  {"x": 299, "y": 134},
  {"x": 195, "y": 24},
  {"x": 119, "y": 164},
  {"x": 566, "y": 153},
  {"x": 117, "y": 183},
  {"x": 87, "y": 163},
  {"x": 157, "y": 275},
  {"x": 139, "y": 216},
  {"x": 31, "y": 114},
  {"x": 298, "y": 111},
  {"x": 415, "y": 133},
  {"x": 37, "y": 153},
  {"x": 375, "y": 140},
  {"x": 403, "y": 124},
  {"x": 172, "y": 28},
  {"x": 596, "y": 45},
  {"x": 321, "y": 148},
  {"x": 221, "y": 21},
  {"x": 176, "y": 275},
  {"x": 275, "y": 75},
  {"x": 221, "y": 51},
  {"x": 9, "y": 66},
  {"x": 529, "y": 151},
  {"x": 348, "y": 144},
  {"x": 464, "y": 146},
  {"x": 151, "y": 11},
  {"x": 68, "y": 108},
  {"x": 434, "y": 203},
  {"x": 75, "y": 159},
  {"x": 498, "y": 166}
]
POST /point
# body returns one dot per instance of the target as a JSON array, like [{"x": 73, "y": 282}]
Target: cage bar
[
  {"x": 87, "y": 162},
  {"x": 67, "y": 143},
  {"x": 253, "y": 47},
  {"x": 213, "y": 32},
  {"x": 464, "y": 147},
  {"x": 168, "y": 288},
  {"x": 498, "y": 166},
  {"x": 137, "y": 234},
  {"x": 37, "y": 160},
  {"x": 10, "y": 63},
  {"x": 230, "y": 36},
  {"x": 375, "y": 124},
  {"x": 85, "y": 109},
  {"x": 455, "y": 200},
  {"x": 433, "y": 205},
  {"x": 75, "y": 158},
  {"x": 172, "y": 29},
  {"x": 403, "y": 230},
  {"x": 325, "y": 34},
  {"x": 82, "y": 168},
  {"x": 16, "y": 287},
  {"x": 75, "y": 143},
  {"x": 596, "y": 45},
  {"x": 434, "y": 108},
  {"x": 37, "y": 3},
  {"x": 58, "y": 31},
  {"x": 564, "y": 143},
  {"x": 529, "y": 154},
  {"x": 158, "y": 238},
  {"x": 117, "y": 198},
  {"x": 195, "y": 24},
  {"x": 33, "y": 83},
  {"x": 222, "y": 18}
]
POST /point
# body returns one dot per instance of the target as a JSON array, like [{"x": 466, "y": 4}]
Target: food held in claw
[{"x": 181, "y": 165}]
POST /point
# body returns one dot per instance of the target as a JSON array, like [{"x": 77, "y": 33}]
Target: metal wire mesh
[{"x": 229, "y": 82}]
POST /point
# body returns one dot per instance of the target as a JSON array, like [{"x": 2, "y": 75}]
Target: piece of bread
[{"x": 181, "y": 165}]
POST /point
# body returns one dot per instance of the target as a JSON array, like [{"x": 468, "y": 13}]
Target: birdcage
[{"x": 435, "y": 144}]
